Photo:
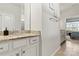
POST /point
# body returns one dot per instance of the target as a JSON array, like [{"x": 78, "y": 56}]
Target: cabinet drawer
[
  {"x": 4, "y": 47},
  {"x": 34, "y": 40},
  {"x": 19, "y": 43}
]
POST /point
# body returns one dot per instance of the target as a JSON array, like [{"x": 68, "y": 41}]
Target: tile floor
[{"x": 69, "y": 48}]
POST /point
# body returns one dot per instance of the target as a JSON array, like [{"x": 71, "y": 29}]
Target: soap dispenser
[{"x": 6, "y": 32}]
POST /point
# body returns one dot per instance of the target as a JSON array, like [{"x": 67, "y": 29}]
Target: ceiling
[
  {"x": 64, "y": 6},
  {"x": 20, "y": 5}
]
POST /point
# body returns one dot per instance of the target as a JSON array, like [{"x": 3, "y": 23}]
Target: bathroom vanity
[{"x": 22, "y": 44}]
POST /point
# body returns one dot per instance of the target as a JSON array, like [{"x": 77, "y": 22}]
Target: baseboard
[{"x": 53, "y": 54}]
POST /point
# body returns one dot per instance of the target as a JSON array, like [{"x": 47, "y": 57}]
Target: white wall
[
  {"x": 7, "y": 9},
  {"x": 36, "y": 16},
  {"x": 62, "y": 23}
]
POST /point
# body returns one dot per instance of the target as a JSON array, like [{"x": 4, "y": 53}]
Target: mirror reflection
[{"x": 12, "y": 16}]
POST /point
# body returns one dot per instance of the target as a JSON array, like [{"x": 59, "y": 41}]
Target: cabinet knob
[
  {"x": 23, "y": 51},
  {"x": 1, "y": 48}
]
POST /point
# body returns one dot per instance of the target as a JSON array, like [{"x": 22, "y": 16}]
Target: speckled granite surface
[{"x": 19, "y": 35}]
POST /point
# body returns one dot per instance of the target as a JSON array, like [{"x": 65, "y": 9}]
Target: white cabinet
[
  {"x": 16, "y": 52},
  {"x": 5, "y": 46},
  {"x": 33, "y": 51},
  {"x": 19, "y": 43},
  {"x": 34, "y": 46},
  {"x": 25, "y": 51},
  {"x": 20, "y": 47},
  {"x": 34, "y": 40},
  {"x": 38, "y": 50}
]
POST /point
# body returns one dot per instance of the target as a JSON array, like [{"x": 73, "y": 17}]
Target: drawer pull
[
  {"x": 1, "y": 48},
  {"x": 34, "y": 40}
]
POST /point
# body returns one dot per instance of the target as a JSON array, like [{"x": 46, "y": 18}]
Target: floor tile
[{"x": 69, "y": 48}]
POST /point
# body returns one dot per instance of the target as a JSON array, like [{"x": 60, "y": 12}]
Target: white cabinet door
[
  {"x": 33, "y": 51},
  {"x": 25, "y": 51},
  {"x": 5, "y": 46},
  {"x": 34, "y": 46},
  {"x": 37, "y": 50},
  {"x": 16, "y": 52},
  {"x": 34, "y": 40}
]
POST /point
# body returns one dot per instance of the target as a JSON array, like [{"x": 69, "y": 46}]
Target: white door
[{"x": 50, "y": 34}]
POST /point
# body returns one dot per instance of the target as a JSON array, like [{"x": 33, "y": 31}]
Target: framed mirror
[{"x": 12, "y": 16}]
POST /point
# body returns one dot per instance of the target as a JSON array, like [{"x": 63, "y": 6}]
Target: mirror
[{"x": 12, "y": 16}]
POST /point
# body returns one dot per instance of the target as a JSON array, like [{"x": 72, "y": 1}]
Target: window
[{"x": 73, "y": 26}]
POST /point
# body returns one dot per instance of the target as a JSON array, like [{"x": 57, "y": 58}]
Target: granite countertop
[{"x": 19, "y": 35}]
